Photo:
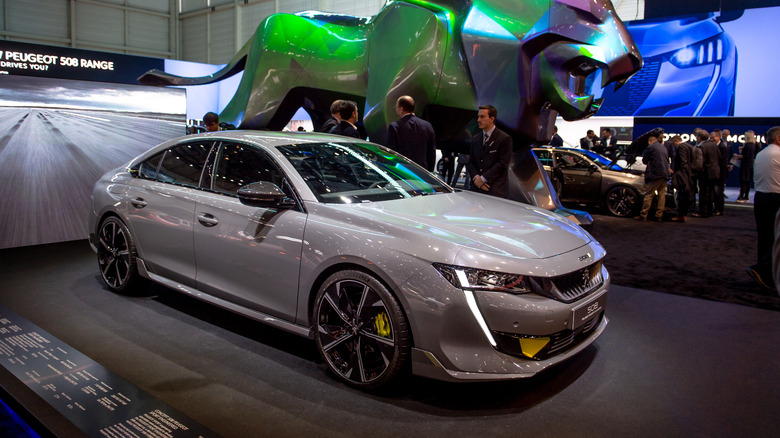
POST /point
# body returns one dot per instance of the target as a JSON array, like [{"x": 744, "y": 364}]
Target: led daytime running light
[{"x": 703, "y": 53}]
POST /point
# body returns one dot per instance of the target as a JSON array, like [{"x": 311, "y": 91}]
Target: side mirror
[
  {"x": 593, "y": 168},
  {"x": 263, "y": 194}
]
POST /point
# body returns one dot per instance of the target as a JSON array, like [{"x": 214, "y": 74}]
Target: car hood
[{"x": 438, "y": 227}]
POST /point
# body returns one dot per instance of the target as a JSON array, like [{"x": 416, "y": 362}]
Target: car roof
[
  {"x": 268, "y": 139},
  {"x": 271, "y": 138}
]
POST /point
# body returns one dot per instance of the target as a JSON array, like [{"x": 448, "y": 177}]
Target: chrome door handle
[
  {"x": 207, "y": 220},
  {"x": 138, "y": 202}
]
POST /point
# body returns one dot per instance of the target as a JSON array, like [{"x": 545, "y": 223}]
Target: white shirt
[{"x": 766, "y": 170}]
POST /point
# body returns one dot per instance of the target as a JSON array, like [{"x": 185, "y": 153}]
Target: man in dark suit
[
  {"x": 349, "y": 115},
  {"x": 491, "y": 152},
  {"x": 723, "y": 164},
  {"x": 556, "y": 140},
  {"x": 412, "y": 136},
  {"x": 608, "y": 143},
  {"x": 710, "y": 175},
  {"x": 589, "y": 142},
  {"x": 334, "y": 116}
]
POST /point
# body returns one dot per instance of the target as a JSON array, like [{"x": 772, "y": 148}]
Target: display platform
[
  {"x": 97, "y": 401},
  {"x": 666, "y": 365}
]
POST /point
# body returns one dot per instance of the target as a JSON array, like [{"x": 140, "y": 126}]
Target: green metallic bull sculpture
[{"x": 531, "y": 59}]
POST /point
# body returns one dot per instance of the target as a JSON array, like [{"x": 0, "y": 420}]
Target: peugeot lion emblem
[{"x": 585, "y": 278}]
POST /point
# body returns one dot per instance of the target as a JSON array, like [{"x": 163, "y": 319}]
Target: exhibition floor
[{"x": 667, "y": 365}]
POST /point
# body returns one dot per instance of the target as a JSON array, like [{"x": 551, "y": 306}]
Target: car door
[
  {"x": 248, "y": 255},
  {"x": 161, "y": 209},
  {"x": 581, "y": 178}
]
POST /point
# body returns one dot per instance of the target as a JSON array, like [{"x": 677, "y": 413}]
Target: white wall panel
[
  {"x": 150, "y": 5},
  {"x": 251, "y": 16},
  {"x": 48, "y": 18},
  {"x": 353, "y": 7},
  {"x": 100, "y": 24},
  {"x": 147, "y": 31},
  {"x": 222, "y": 44},
  {"x": 298, "y": 5},
  {"x": 192, "y": 5},
  {"x": 194, "y": 39}
]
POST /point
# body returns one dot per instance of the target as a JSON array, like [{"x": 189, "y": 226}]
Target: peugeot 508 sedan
[{"x": 387, "y": 268}]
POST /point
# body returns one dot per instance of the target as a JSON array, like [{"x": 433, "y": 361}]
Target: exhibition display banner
[{"x": 24, "y": 59}]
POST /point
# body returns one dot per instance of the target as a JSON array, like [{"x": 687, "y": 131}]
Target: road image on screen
[{"x": 57, "y": 137}]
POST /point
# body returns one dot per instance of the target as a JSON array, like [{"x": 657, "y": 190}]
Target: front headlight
[
  {"x": 706, "y": 52},
  {"x": 480, "y": 279}
]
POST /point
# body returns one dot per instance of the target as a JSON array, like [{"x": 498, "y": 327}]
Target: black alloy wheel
[
  {"x": 622, "y": 201},
  {"x": 360, "y": 330},
  {"x": 116, "y": 255}
]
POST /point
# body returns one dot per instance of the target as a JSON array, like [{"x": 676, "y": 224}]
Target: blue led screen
[{"x": 705, "y": 65}]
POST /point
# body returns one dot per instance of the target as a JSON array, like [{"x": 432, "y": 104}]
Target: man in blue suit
[
  {"x": 491, "y": 152},
  {"x": 412, "y": 136}
]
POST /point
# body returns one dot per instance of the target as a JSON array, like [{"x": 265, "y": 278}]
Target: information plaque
[{"x": 97, "y": 401}]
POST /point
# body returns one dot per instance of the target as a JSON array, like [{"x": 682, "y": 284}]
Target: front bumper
[{"x": 499, "y": 336}]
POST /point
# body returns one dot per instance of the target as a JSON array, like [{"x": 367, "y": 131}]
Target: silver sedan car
[{"x": 343, "y": 241}]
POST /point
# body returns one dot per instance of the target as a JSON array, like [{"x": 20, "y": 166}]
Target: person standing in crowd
[
  {"x": 746, "y": 155},
  {"x": 589, "y": 141},
  {"x": 412, "y": 136},
  {"x": 608, "y": 143},
  {"x": 656, "y": 176},
  {"x": 766, "y": 204},
  {"x": 556, "y": 140},
  {"x": 491, "y": 152},
  {"x": 719, "y": 197},
  {"x": 724, "y": 137},
  {"x": 463, "y": 161},
  {"x": 682, "y": 178},
  {"x": 709, "y": 175},
  {"x": 671, "y": 148},
  {"x": 334, "y": 116},
  {"x": 349, "y": 114},
  {"x": 211, "y": 121},
  {"x": 447, "y": 171}
]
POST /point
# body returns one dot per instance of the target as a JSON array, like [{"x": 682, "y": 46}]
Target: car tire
[
  {"x": 117, "y": 256},
  {"x": 622, "y": 201},
  {"x": 360, "y": 330}
]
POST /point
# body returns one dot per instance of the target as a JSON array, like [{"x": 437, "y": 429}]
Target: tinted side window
[
  {"x": 183, "y": 164},
  {"x": 571, "y": 161},
  {"x": 544, "y": 157},
  {"x": 239, "y": 165},
  {"x": 148, "y": 169}
]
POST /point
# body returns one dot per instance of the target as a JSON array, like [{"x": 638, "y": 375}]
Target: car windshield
[
  {"x": 601, "y": 160},
  {"x": 359, "y": 172}
]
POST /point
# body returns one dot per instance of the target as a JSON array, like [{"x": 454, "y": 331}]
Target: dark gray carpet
[{"x": 667, "y": 365}]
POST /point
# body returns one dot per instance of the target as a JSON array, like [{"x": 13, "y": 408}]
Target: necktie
[{"x": 484, "y": 139}]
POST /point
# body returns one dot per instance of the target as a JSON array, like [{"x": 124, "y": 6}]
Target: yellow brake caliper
[{"x": 382, "y": 325}]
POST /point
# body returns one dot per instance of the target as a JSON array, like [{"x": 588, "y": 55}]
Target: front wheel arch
[{"x": 361, "y": 330}]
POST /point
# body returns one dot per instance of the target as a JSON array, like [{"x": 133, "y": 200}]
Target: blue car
[{"x": 690, "y": 69}]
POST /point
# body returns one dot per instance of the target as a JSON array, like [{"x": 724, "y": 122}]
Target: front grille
[
  {"x": 627, "y": 100},
  {"x": 570, "y": 287},
  {"x": 559, "y": 342}
]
